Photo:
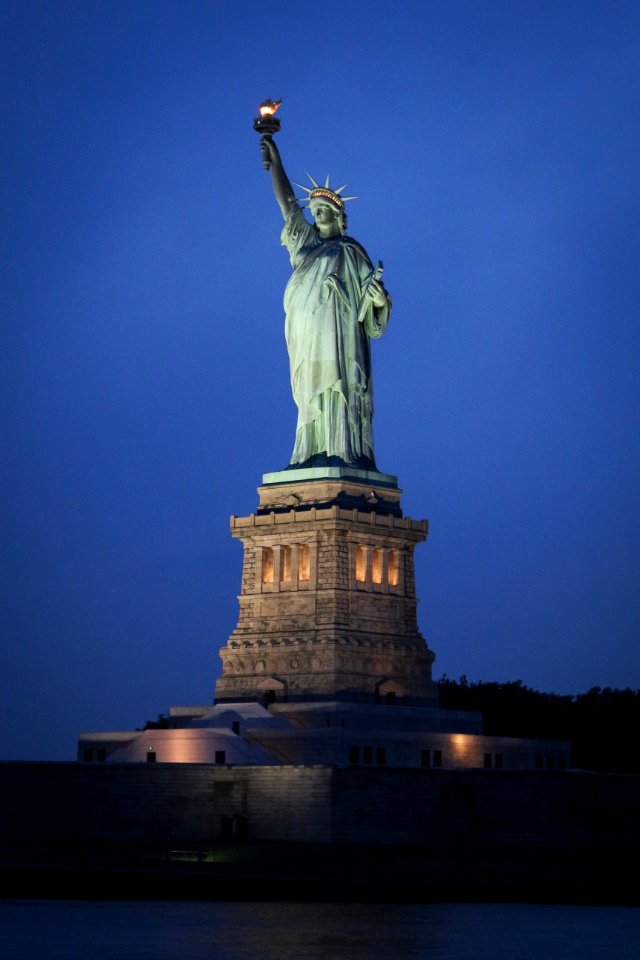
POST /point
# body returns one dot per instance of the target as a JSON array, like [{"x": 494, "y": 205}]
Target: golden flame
[{"x": 269, "y": 107}]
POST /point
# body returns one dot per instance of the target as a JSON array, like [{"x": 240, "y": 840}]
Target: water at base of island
[{"x": 192, "y": 930}]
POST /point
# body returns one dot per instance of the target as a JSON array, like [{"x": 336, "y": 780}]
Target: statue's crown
[{"x": 325, "y": 193}]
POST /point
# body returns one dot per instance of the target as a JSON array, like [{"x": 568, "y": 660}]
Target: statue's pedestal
[
  {"x": 321, "y": 487},
  {"x": 304, "y": 474},
  {"x": 328, "y": 604}
]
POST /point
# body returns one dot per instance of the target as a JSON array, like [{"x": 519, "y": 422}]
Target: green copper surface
[
  {"x": 373, "y": 477},
  {"x": 334, "y": 305}
]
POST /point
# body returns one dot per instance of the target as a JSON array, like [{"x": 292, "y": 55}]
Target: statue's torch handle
[
  {"x": 266, "y": 162},
  {"x": 266, "y": 125}
]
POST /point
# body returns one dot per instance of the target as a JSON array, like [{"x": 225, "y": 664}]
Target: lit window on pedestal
[
  {"x": 285, "y": 564},
  {"x": 394, "y": 568},
  {"x": 267, "y": 565},
  {"x": 304, "y": 562},
  {"x": 376, "y": 565},
  {"x": 361, "y": 564}
]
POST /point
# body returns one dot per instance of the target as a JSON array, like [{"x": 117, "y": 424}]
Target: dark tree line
[{"x": 602, "y": 725}]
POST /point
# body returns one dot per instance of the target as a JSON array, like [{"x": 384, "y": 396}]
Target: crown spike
[{"x": 317, "y": 191}]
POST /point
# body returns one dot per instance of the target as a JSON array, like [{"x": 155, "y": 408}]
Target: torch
[{"x": 267, "y": 123}]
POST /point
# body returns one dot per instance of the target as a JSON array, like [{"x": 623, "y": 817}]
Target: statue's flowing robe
[{"x": 329, "y": 354}]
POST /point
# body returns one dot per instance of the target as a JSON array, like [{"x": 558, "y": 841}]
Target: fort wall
[{"x": 49, "y": 805}]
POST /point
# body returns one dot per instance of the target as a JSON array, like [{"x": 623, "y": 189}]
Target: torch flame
[{"x": 269, "y": 107}]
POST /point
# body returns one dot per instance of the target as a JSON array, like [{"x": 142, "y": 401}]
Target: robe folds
[{"x": 327, "y": 330}]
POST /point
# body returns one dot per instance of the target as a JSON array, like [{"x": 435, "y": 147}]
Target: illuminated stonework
[{"x": 328, "y": 604}]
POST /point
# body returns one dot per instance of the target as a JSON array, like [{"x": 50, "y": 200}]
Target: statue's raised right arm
[{"x": 281, "y": 185}]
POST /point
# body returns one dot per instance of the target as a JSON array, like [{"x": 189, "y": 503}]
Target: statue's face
[{"x": 327, "y": 218}]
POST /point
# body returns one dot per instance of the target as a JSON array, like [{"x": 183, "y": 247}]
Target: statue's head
[
  {"x": 331, "y": 200},
  {"x": 330, "y": 218}
]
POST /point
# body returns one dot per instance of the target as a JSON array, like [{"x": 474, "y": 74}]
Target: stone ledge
[
  {"x": 361, "y": 490},
  {"x": 315, "y": 515},
  {"x": 330, "y": 473}
]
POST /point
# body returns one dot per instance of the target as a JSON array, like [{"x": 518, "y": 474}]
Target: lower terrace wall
[
  {"x": 47, "y": 806},
  {"x": 167, "y": 805},
  {"x": 479, "y": 811}
]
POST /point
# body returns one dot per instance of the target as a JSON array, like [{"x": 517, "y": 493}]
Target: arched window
[
  {"x": 376, "y": 565},
  {"x": 394, "y": 568},
  {"x": 304, "y": 562},
  {"x": 267, "y": 565}
]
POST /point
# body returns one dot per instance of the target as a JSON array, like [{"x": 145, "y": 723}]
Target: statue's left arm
[
  {"x": 377, "y": 294},
  {"x": 377, "y": 317}
]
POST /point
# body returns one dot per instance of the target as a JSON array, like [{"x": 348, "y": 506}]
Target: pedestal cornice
[{"x": 333, "y": 486}]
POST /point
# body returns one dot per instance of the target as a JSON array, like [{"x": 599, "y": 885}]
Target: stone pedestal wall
[{"x": 328, "y": 604}]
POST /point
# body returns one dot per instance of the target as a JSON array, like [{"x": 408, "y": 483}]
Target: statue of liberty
[{"x": 334, "y": 303}]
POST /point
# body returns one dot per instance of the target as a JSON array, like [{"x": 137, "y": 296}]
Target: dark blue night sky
[{"x": 494, "y": 151}]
